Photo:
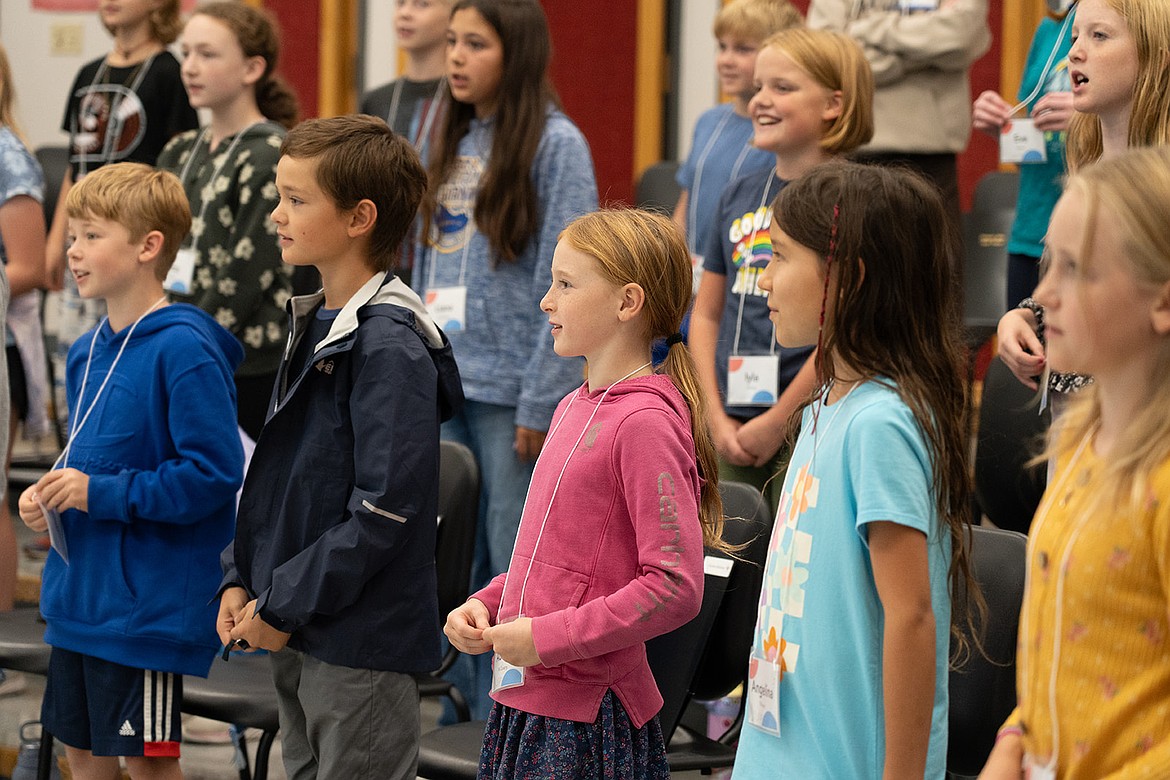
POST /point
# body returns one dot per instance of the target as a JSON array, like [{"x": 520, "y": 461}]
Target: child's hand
[
  {"x": 252, "y": 629},
  {"x": 725, "y": 432},
  {"x": 30, "y": 510},
  {"x": 465, "y": 627},
  {"x": 1053, "y": 111},
  {"x": 1020, "y": 347},
  {"x": 64, "y": 489},
  {"x": 528, "y": 443},
  {"x": 761, "y": 439},
  {"x": 1006, "y": 760},
  {"x": 231, "y": 612},
  {"x": 989, "y": 113},
  {"x": 513, "y": 641}
]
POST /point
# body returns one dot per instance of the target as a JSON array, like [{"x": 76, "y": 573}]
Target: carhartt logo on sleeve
[
  {"x": 324, "y": 366},
  {"x": 127, "y": 730}
]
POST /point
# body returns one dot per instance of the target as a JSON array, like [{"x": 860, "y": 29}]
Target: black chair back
[
  {"x": 54, "y": 161},
  {"x": 1011, "y": 432},
  {"x": 983, "y": 690},
  {"x": 657, "y": 189},
  {"x": 985, "y": 235},
  {"x": 458, "y": 513}
]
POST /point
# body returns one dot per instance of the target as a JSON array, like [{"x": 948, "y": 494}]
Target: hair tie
[{"x": 673, "y": 338}]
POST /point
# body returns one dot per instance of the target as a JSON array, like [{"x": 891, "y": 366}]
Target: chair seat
[
  {"x": 451, "y": 752},
  {"x": 238, "y": 691},
  {"x": 689, "y": 751},
  {"x": 22, "y": 641}
]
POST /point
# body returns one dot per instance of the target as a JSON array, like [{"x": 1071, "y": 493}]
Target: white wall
[
  {"x": 698, "y": 85},
  {"x": 381, "y": 47},
  {"x": 42, "y": 77}
]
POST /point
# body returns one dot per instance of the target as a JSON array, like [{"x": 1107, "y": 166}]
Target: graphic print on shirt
[
  {"x": 452, "y": 227},
  {"x": 111, "y": 121},
  {"x": 751, "y": 249},
  {"x": 782, "y": 597}
]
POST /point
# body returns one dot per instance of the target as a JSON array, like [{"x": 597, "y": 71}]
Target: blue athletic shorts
[{"x": 110, "y": 709}]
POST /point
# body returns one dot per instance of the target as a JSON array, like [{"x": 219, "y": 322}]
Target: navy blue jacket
[{"x": 335, "y": 536}]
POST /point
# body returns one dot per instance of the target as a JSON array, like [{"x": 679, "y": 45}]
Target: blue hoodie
[
  {"x": 505, "y": 354},
  {"x": 163, "y": 455}
]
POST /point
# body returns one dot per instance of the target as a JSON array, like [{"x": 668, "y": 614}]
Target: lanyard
[
  {"x": 428, "y": 118},
  {"x": 1042, "y": 514},
  {"x": 692, "y": 201},
  {"x": 748, "y": 258},
  {"x": 79, "y": 423},
  {"x": 116, "y": 120},
  {"x": 1047, "y": 66},
  {"x": 556, "y": 487},
  {"x": 223, "y": 160}
]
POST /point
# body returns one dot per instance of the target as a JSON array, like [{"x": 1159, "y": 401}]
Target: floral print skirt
[{"x": 518, "y": 745}]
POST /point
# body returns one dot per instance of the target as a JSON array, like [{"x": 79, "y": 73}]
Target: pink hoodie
[{"x": 621, "y": 556}]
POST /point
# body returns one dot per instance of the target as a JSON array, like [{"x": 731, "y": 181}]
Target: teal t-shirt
[
  {"x": 1042, "y": 183},
  {"x": 819, "y": 608}
]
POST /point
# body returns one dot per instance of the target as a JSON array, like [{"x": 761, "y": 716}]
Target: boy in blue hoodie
[
  {"x": 334, "y": 554},
  {"x": 144, "y": 498}
]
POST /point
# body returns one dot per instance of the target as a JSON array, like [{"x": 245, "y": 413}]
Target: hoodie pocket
[{"x": 93, "y": 589}]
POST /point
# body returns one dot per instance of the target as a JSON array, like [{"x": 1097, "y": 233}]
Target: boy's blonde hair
[
  {"x": 140, "y": 199},
  {"x": 165, "y": 23},
  {"x": 1132, "y": 190},
  {"x": 755, "y": 20},
  {"x": 836, "y": 62},
  {"x": 1149, "y": 116}
]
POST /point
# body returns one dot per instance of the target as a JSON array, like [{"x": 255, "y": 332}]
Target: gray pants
[{"x": 343, "y": 723}]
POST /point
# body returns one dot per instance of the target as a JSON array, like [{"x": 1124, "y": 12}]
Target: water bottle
[{"x": 30, "y": 753}]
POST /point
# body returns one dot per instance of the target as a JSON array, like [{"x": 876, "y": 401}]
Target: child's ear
[
  {"x": 255, "y": 69},
  {"x": 633, "y": 298},
  {"x": 1160, "y": 312},
  {"x": 834, "y": 105},
  {"x": 150, "y": 246},
  {"x": 362, "y": 218}
]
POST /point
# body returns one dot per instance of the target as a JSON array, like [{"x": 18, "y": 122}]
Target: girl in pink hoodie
[{"x": 610, "y": 547}]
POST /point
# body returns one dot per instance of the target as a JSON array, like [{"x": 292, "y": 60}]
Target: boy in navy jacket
[
  {"x": 145, "y": 492},
  {"x": 334, "y": 553}
]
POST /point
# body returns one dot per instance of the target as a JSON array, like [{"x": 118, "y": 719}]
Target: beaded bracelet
[{"x": 1008, "y": 730}]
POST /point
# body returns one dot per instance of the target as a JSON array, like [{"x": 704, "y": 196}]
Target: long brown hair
[
  {"x": 8, "y": 97},
  {"x": 506, "y": 210},
  {"x": 893, "y": 273},
  {"x": 258, "y": 36},
  {"x": 638, "y": 247},
  {"x": 1149, "y": 116}
]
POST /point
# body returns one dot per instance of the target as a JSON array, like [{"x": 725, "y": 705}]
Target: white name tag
[
  {"x": 1034, "y": 770},
  {"x": 696, "y": 272},
  {"x": 717, "y": 567},
  {"x": 763, "y": 704},
  {"x": 752, "y": 379},
  {"x": 448, "y": 307},
  {"x": 1021, "y": 142},
  {"x": 181, "y": 278},
  {"x": 505, "y": 675},
  {"x": 910, "y": 6}
]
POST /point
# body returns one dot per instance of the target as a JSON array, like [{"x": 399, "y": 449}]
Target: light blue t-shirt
[
  {"x": 1041, "y": 183},
  {"x": 721, "y": 152},
  {"x": 819, "y": 608}
]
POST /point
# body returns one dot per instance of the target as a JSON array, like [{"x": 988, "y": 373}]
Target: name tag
[
  {"x": 1021, "y": 142},
  {"x": 448, "y": 307},
  {"x": 763, "y": 704},
  {"x": 911, "y": 6},
  {"x": 181, "y": 278},
  {"x": 752, "y": 379},
  {"x": 505, "y": 675},
  {"x": 1034, "y": 770}
]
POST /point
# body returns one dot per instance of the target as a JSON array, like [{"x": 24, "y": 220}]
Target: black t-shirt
[
  {"x": 125, "y": 114},
  {"x": 320, "y": 321},
  {"x": 414, "y": 102}
]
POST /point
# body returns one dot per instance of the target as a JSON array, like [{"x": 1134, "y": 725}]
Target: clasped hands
[
  {"x": 470, "y": 630},
  {"x": 238, "y": 621}
]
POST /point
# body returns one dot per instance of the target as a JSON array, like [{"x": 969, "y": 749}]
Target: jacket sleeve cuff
[
  {"x": 268, "y": 616},
  {"x": 550, "y": 636},
  {"x": 537, "y": 417},
  {"x": 107, "y": 497}
]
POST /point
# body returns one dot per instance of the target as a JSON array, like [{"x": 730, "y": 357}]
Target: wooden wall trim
[{"x": 651, "y": 69}]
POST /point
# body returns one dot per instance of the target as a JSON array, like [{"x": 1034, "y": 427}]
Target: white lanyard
[
  {"x": 1047, "y": 66},
  {"x": 428, "y": 119},
  {"x": 556, "y": 486},
  {"x": 1061, "y": 575},
  {"x": 749, "y": 258},
  {"x": 114, "y": 126},
  {"x": 203, "y": 199},
  {"x": 79, "y": 423},
  {"x": 692, "y": 200}
]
